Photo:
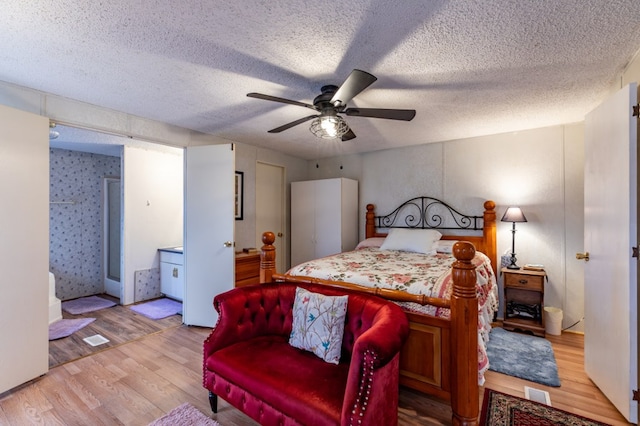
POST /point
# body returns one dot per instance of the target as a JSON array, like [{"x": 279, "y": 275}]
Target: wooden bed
[{"x": 440, "y": 357}]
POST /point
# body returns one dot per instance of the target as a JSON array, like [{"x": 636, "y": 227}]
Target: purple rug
[
  {"x": 86, "y": 304},
  {"x": 159, "y": 308},
  {"x": 184, "y": 415},
  {"x": 66, "y": 327}
]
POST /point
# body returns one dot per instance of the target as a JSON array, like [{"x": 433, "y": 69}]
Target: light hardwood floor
[
  {"x": 134, "y": 383},
  {"x": 119, "y": 324}
]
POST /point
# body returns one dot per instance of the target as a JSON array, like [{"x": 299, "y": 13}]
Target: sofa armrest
[
  {"x": 374, "y": 370},
  {"x": 251, "y": 311},
  {"x": 385, "y": 337}
]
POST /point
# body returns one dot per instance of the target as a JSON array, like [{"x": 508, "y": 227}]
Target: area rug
[
  {"x": 499, "y": 409},
  {"x": 524, "y": 356},
  {"x": 66, "y": 327},
  {"x": 159, "y": 308},
  {"x": 86, "y": 304},
  {"x": 184, "y": 415}
]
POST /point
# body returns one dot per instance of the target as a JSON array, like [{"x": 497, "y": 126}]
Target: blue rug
[{"x": 524, "y": 356}]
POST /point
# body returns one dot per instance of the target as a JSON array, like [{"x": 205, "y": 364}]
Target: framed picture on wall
[{"x": 239, "y": 194}]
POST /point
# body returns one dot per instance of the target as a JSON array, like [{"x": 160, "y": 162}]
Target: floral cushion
[{"x": 318, "y": 324}]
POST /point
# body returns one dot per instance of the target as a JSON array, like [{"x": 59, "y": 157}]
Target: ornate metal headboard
[{"x": 428, "y": 213}]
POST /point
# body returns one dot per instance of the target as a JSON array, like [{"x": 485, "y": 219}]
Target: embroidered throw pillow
[{"x": 318, "y": 324}]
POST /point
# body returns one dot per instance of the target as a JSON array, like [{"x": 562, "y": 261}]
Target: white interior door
[
  {"x": 24, "y": 252},
  {"x": 270, "y": 208},
  {"x": 209, "y": 220},
  {"x": 610, "y": 231}
]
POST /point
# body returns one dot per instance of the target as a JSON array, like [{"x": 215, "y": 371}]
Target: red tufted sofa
[{"x": 249, "y": 362}]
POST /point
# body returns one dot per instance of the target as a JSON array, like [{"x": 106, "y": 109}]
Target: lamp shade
[{"x": 513, "y": 214}]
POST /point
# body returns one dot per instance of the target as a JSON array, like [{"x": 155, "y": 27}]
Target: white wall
[{"x": 152, "y": 182}]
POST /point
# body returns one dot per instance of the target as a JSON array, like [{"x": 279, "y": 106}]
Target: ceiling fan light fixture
[{"x": 329, "y": 127}]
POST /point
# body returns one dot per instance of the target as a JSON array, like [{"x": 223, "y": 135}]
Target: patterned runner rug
[
  {"x": 184, "y": 415},
  {"x": 499, "y": 409}
]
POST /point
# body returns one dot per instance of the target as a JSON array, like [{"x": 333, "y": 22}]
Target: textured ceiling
[{"x": 467, "y": 67}]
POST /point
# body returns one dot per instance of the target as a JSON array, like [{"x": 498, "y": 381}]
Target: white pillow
[
  {"x": 318, "y": 324},
  {"x": 370, "y": 242},
  {"x": 408, "y": 239},
  {"x": 445, "y": 246}
]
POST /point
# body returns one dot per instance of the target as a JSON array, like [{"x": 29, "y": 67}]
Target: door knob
[
  {"x": 280, "y": 234},
  {"x": 583, "y": 256},
  {"x": 228, "y": 244}
]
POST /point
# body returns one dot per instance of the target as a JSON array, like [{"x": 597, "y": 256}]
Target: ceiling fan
[{"x": 327, "y": 124}]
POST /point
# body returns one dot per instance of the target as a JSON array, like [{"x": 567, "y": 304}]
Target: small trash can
[{"x": 553, "y": 320}]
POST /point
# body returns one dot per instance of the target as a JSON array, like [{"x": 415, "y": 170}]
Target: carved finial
[
  {"x": 268, "y": 238},
  {"x": 489, "y": 205},
  {"x": 464, "y": 251}
]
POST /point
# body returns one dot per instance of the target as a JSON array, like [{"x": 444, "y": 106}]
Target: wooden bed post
[
  {"x": 465, "y": 393},
  {"x": 370, "y": 226},
  {"x": 489, "y": 234},
  {"x": 267, "y": 258}
]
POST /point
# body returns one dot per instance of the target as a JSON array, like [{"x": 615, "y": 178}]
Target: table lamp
[{"x": 513, "y": 215}]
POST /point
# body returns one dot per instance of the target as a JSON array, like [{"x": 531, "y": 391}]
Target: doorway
[
  {"x": 112, "y": 248},
  {"x": 270, "y": 208}
]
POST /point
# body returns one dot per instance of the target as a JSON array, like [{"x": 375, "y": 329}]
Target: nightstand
[
  {"x": 247, "y": 269},
  {"x": 524, "y": 300}
]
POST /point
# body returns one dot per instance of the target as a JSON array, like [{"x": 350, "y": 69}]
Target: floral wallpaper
[
  {"x": 75, "y": 220},
  {"x": 147, "y": 284}
]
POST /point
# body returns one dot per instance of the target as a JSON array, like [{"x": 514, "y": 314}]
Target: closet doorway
[
  {"x": 112, "y": 213},
  {"x": 270, "y": 208}
]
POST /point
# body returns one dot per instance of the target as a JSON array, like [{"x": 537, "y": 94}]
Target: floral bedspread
[{"x": 414, "y": 273}]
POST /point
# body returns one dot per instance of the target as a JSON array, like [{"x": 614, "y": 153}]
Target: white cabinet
[
  {"x": 172, "y": 273},
  {"x": 324, "y": 218}
]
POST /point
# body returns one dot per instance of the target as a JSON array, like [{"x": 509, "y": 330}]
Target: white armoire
[{"x": 324, "y": 218}]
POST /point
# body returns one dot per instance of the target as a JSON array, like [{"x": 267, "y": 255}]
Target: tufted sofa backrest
[{"x": 267, "y": 309}]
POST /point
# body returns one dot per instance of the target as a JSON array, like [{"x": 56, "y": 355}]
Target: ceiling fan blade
[
  {"x": 293, "y": 123},
  {"x": 356, "y": 82},
  {"x": 391, "y": 114},
  {"x": 283, "y": 100},
  {"x": 348, "y": 136}
]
